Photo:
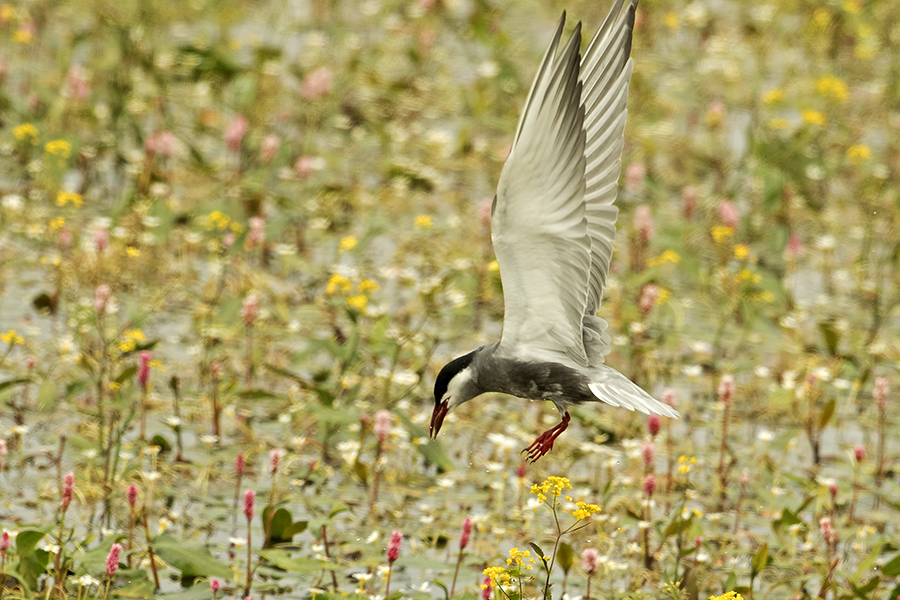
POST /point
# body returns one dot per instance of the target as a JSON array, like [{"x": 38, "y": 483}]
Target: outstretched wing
[
  {"x": 538, "y": 224},
  {"x": 605, "y": 72}
]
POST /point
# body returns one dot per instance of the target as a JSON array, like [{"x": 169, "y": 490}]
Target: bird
[{"x": 552, "y": 228}]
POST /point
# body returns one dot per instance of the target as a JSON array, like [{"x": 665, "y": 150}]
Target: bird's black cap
[{"x": 450, "y": 369}]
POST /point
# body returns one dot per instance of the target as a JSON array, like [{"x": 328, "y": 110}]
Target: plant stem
[{"x": 456, "y": 572}]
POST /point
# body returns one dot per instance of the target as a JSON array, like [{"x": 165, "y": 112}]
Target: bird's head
[{"x": 453, "y": 386}]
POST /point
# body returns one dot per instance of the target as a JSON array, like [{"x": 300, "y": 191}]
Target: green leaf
[
  {"x": 759, "y": 561},
  {"x": 360, "y": 470},
  {"x": 868, "y": 562},
  {"x": 565, "y": 556},
  {"x": 891, "y": 568},
  {"x": 826, "y": 414},
  {"x": 94, "y": 560},
  {"x": 540, "y": 554},
  {"x": 193, "y": 560},
  {"x": 47, "y": 394},
  {"x": 255, "y": 394},
  {"x": 140, "y": 586},
  {"x": 431, "y": 449},
  {"x": 295, "y": 528},
  {"x": 304, "y": 566},
  {"x": 12, "y": 383},
  {"x": 865, "y": 592},
  {"x": 281, "y": 520},
  {"x": 126, "y": 374},
  {"x": 830, "y": 336}
]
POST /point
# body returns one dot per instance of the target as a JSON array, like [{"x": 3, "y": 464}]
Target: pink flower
[
  {"x": 269, "y": 148},
  {"x": 647, "y": 451},
  {"x": 698, "y": 541},
  {"x": 520, "y": 471},
  {"x": 859, "y": 453},
  {"x": 726, "y": 389},
  {"x": 77, "y": 85},
  {"x": 728, "y": 213},
  {"x": 653, "y": 424},
  {"x": 688, "y": 201},
  {"x": 257, "y": 234},
  {"x": 131, "y": 494},
  {"x": 144, "y": 369},
  {"x": 316, "y": 84},
  {"x": 215, "y": 585},
  {"x": 486, "y": 589},
  {"x": 648, "y": 298},
  {"x": 668, "y": 397},
  {"x": 305, "y": 165},
  {"x": 643, "y": 222},
  {"x": 101, "y": 239},
  {"x": 833, "y": 490},
  {"x": 101, "y": 298},
  {"x": 30, "y": 362},
  {"x": 249, "y": 499},
  {"x": 382, "y": 426},
  {"x": 239, "y": 464},
  {"x": 827, "y": 529},
  {"x": 250, "y": 309},
  {"x": 65, "y": 237},
  {"x": 393, "y": 549},
  {"x": 112, "y": 560},
  {"x": 68, "y": 489},
  {"x": 882, "y": 389},
  {"x": 649, "y": 484},
  {"x": 4, "y": 543},
  {"x": 794, "y": 247},
  {"x": 235, "y": 132},
  {"x": 275, "y": 456},
  {"x": 162, "y": 143},
  {"x": 634, "y": 177},
  {"x": 745, "y": 479},
  {"x": 590, "y": 560},
  {"x": 466, "y": 532}
]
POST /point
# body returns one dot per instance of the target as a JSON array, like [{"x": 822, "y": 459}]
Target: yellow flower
[
  {"x": 772, "y": 96},
  {"x": 741, "y": 251},
  {"x": 747, "y": 275},
  {"x": 585, "y": 510},
  {"x": 821, "y": 18},
  {"x": 422, "y": 222},
  {"x": 358, "y": 301},
  {"x": 132, "y": 251},
  {"x": 23, "y": 36},
  {"x": 552, "y": 486},
  {"x": 663, "y": 296},
  {"x": 7, "y": 12},
  {"x": 727, "y": 596},
  {"x": 829, "y": 86},
  {"x": 12, "y": 338},
  {"x": 851, "y": 6},
  {"x": 57, "y": 223},
  {"x": 858, "y": 153},
  {"x": 367, "y": 286},
  {"x": 26, "y": 132},
  {"x": 517, "y": 557},
  {"x": 217, "y": 220},
  {"x": 779, "y": 123},
  {"x": 671, "y": 20},
  {"x": 59, "y": 148},
  {"x": 338, "y": 284},
  {"x": 494, "y": 266},
  {"x": 667, "y": 256},
  {"x": 720, "y": 232},
  {"x": 347, "y": 243},
  {"x": 127, "y": 345},
  {"x": 63, "y": 198},
  {"x": 114, "y": 385},
  {"x": 814, "y": 117},
  {"x": 497, "y": 574},
  {"x": 134, "y": 334}
]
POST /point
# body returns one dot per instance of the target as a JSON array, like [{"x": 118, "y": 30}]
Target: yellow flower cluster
[
  {"x": 584, "y": 510},
  {"x": 727, "y": 596},
  {"x": 668, "y": 256},
  {"x": 63, "y": 198},
  {"x": 858, "y": 153},
  {"x": 7, "y": 12},
  {"x": 339, "y": 284},
  {"x": 830, "y": 86},
  {"x": 60, "y": 148},
  {"x": 422, "y": 222},
  {"x": 12, "y": 338},
  {"x": 23, "y": 36},
  {"x": 26, "y": 132},
  {"x": 498, "y": 575},
  {"x": 772, "y": 96},
  {"x": 813, "y": 117},
  {"x": 747, "y": 275},
  {"x": 57, "y": 223},
  {"x": 219, "y": 220},
  {"x": 347, "y": 243},
  {"x": 518, "y": 557},
  {"x": 779, "y": 123},
  {"x": 720, "y": 232},
  {"x": 764, "y": 296},
  {"x": 552, "y": 486},
  {"x": 684, "y": 463},
  {"x": 132, "y": 337},
  {"x": 671, "y": 20},
  {"x": 741, "y": 251}
]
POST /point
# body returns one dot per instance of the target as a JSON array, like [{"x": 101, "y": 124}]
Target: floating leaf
[{"x": 193, "y": 560}]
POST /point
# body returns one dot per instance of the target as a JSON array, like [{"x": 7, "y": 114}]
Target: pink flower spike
[
  {"x": 643, "y": 222},
  {"x": 131, "y": 494},
  {"x": 112, "y": 560},
  {"x": 68, "y": 489},
  {"x": 647, "y": 451},
  {"x": 794, "y": 247},
  {"x": 382, "y": 426},
  {"x": 650, "y": 484},
  {"x": 726, "y": 389},
  {"x": 215, "y": 585},
  {"x": 590, "y": 560},
  {"x": 101, "y": 240},
  {"x": 269, "y": 148},
  {"x": 316, "y": 84},
  {"x": 653, "y": 425},
  {"x": 520, "y": 471},
  {"x": 249, "y": 500},
  {"x": 101, "y": 298},
  {"x": 668, "y": 397},
  {"x": 235, "y": 132},
  {"x": 393, "y": 549},
  {"x": 144, "y": 369},
  {"x": 859, "y": 453},
  {"x": 250, "y": 309},
  {"x": 882, "y": 389},
  {"x": 257, "y": 234},
  {"x": 4, "y": 543},
  {"x": 698, "y": 541},
  {"x": 729, "y": 214},
  {"x": 688, "y": 201},
  {"x": 466, "y": 532},
  {"x": 486, "y": 589},
  {"x": 239, "y": 464},
  {"x": 634, "y": 177},
  {"x": 275, "y": 456}
]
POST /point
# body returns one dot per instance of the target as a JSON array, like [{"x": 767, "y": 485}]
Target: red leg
[{"x": 544, "y": 443}]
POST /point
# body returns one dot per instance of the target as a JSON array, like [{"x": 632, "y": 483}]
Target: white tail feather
[{"x": 617, "y": 390}]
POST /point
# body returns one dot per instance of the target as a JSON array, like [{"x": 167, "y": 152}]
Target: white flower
[
  {"x": 209, "y": 440},
  {"x": 822, "y": 373},
  {"x": 362, "y": 577},
  {"x": 48, "y": 546},
  {"x": 825, "y": 242},
  {"x": 692, "y": 370},
  {"x": 373, "y": 537},
  {"x": 87, "y": 581},
  {"x": 701, "y": 347},
  {"x": 765, "y": 435},
  {"x": 762, "y": 371},
  {"x": 151, "y": 475},
  {"x": 19, "y": 429},
  {"x": 841, "y": 384},
  {"x": 173, "y": 421},
  {"x": 12, "y": 202},
  {"x": 237, "y": 542}
]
